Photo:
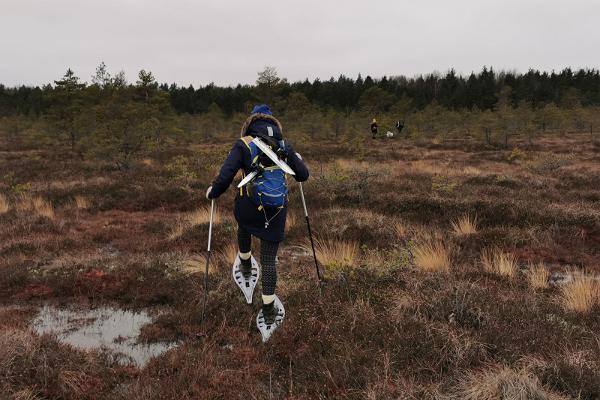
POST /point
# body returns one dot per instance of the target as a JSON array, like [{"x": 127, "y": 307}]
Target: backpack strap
[
  {"x": 247, "y": 140},
  {"x": 254, "y": 151}
]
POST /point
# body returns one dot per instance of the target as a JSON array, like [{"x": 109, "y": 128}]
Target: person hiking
[
  {"x": 257, "y": 212},
  {"x": 399, "y": 126},
  {"x": 374, "y": 128}
]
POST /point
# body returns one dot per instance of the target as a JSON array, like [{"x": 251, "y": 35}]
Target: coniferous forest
[{"x": 117, "y": 119}]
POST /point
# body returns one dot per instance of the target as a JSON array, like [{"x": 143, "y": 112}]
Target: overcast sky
[{"x": 228, "y": 41}]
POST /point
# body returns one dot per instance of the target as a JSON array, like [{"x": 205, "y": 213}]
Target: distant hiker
[
  {"x": 399, "y": 126},
  {"x": 260, "y": 206},
  {"x": 374, "y": 128}
]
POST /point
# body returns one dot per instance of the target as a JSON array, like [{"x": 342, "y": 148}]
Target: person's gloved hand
[
  {"x": 287, "y": 150},
  {"x": 208, "y": 193}
]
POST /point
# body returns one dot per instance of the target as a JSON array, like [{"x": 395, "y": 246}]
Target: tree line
[
  {"x": 115, "y": 120},
  {"x": 478, "y": 90}
]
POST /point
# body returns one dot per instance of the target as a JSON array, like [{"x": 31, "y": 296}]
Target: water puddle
[{"x": 113, "y": 329}]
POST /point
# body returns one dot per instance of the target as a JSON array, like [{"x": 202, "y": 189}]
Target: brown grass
[
  {"x": 432, "y": 257},
  {"x": 464, "y": 226},
  {"x": 503, "y": 383},
  {"x": 14, "y": 344},
  {"x": 25, "y": 394},
  {"x": 537, "y": 276},
  {"x": 497, "y": 262},
  {"x": 425, "y": 167},
  {"x": 193, "y": 219},
  {"x": 336, "y": 254},
  {"x": 36, "y": 205},
  {"x": 471, "y": 171},
  {"x": 230, "y": 252},
  {"x": 291, "y": 221},
  {"x": 81, "y": 203},
  {"x": 4, "y": 205},
  {"x": 401, "y": 229},
  {"x": 581, "y": 295},
  {"x": 195, "y": 264},
  {"x": 202, "y": 216},
  {"x": 43, "y": 208}
]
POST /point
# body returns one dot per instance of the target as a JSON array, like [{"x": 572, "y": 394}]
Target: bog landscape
[{"x": 460, "y": 255}]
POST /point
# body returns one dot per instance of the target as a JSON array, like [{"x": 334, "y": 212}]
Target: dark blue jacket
[{"x": 246, "y": 212}]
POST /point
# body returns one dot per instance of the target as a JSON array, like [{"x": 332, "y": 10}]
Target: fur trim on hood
[{"x": 256, "y": 117}]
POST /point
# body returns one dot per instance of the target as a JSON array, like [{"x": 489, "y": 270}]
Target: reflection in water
[{"x": 108, "y": 328}]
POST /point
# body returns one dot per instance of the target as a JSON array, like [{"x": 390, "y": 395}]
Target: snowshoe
[
  {"x": 246, "y": 280},
  {"x": 269, "y": 319}
]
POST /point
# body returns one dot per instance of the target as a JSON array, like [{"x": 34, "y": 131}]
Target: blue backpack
[{"x": 269, "y": 188}]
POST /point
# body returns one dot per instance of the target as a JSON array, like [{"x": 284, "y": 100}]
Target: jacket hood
[{"x": 257, "y": 125}]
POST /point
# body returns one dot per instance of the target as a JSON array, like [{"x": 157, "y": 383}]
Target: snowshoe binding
[
  {"x": 269, "y": 318},
  {"x": 245, "y": 276}
]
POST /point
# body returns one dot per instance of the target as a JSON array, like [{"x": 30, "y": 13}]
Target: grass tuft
[
  {"x": 401, "y": 229},
  {"x": 195, "y": 264},
  {"x": 202, "y": 216},
  {"x": 193, "y": 219},
  {"x": 291, "y": 221},
  {"x": 4, "y": 205},
  {"x": 82, "y": 203},
  {"x": 581, "y": 295},
  {"x": 336, "y": 254},
  {"x": 503, "y": 383},
  {"x": 230, "y": 252},
  {"x": 36, "y": 205},
  {"x": 497, "y": 262},
  {"x": 432, "y": 257},
  {"x": 465, "y": 225},
  {"x": 43, "y": 207},
  {"x": 537, "y": 276}
]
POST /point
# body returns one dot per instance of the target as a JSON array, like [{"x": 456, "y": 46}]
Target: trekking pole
[
  {"x": 312, "y": 244},
  {"x": 212, "y": 209}
]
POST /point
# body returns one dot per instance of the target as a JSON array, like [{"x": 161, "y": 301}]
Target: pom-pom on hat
[{"x": 262, "y": 109}]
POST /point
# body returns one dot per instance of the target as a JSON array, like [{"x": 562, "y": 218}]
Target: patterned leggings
[{"x": 268, "y": 253}]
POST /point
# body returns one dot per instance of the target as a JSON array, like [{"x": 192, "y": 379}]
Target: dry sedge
[
  {"x": 471, "y": 171},
  {"x": 202, "y": 216},
  {"x": 37, "y": 205},
  {"x": 42, "y": 207},
  {"x": 193, "y": 219},
  {"x": 581, "y": 295},
  {"x": 82, "y": 203},
  {"x": 487, "y": 260},
  {"x": 336, "y": 254},
  {"x": 499, "y": 263},
  {"x": 178, "y": 230},
  {"x": 537, "y": 276},
  {"x": 4, "y": 206},
  {"x": 290, "y": 221},
  {"x": 400, "y": 229},
  {"x": 506, "y": 264},
  {"x": 465, "y": 225},
  {"x": 434, "y": 257},
  {"x": 230, "y": 253},
  {"x": 196, "y": 264},
  {"x": 503, "y": 383},
  {"x": 24, "y": 203},
  {"x": 25, "y": 394}
]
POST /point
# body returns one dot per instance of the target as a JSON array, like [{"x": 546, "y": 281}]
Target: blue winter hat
[{"x": 262, "y": 109}]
